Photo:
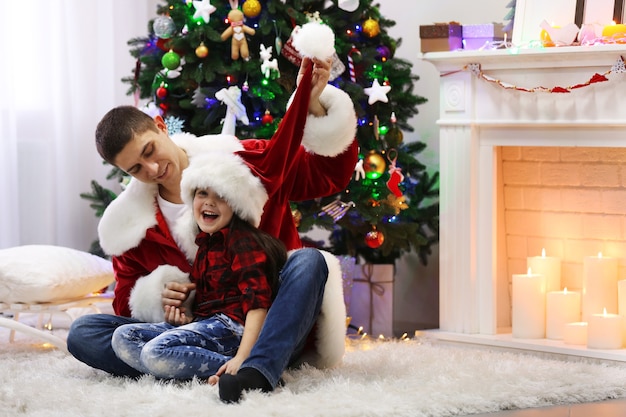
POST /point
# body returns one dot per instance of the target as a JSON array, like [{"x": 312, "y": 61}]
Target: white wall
[{"x": 416, "y": 291}]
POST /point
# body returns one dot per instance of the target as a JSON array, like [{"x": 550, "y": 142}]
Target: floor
[{"x": 610, "y": 408}]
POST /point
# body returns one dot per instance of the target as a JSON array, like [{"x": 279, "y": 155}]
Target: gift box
[
  {"x": 371, "y": 303},
  {"x": 441, "y": 37},
  {"x": 477, "y": 36}
]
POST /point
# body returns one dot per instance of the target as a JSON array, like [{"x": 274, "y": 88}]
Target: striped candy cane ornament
[{"x": 351, "y": 63}]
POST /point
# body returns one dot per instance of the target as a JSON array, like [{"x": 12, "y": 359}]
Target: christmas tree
[{"x": 211, "y": 66}]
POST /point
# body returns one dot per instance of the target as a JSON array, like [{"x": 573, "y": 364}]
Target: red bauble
[
  {"x": 374, "y": 239},
  {"x": 267, "y": 118},
  {"x": 161, "y": 92}
]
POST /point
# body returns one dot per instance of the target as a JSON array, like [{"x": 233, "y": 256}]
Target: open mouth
[{"x": 209, "y": 215}]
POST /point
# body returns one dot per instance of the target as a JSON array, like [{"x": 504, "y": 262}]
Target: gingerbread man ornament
[{"x": 238, "y": 31}]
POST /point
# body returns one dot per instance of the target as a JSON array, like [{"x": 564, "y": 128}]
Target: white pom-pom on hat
[{"x": 314, "y": 40}]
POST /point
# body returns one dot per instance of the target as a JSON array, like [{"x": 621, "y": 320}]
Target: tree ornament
[
  {"x": 351, "y": 67},
  {"x": 268, "y": 65},
  {"x": 394, "y": 135},
  {"x": 377, "y": 92},
  {"x": 337, "y": 209},
  {"x": 203, "y": 10},
  {"x": 235, "y": 110},
  {"x": 374, "y": 238},
  {"x": 267, "y": 118},
  {"x": 164, "y": 27},
  {"x": 395, "y": 174},
  {"x": 297, "y": 216},
  {"x": 161, "y": 92},
  {"x": 374, "y": 165},
  {"x": 383, "y": 52},
  {"x": 251, "y": 8},
  {"x": 397, "y": 203},
  {"x": 202, "y": 51},
  {"x": 237, "y": 30},
  {"x": 170, "y": 60},
  {"x": 371, "y": 27}
]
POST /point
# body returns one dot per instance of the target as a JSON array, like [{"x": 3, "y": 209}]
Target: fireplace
[{"x": 493, "y": 132}]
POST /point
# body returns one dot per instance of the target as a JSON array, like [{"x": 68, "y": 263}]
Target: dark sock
[{"x": 232, "y": 386}]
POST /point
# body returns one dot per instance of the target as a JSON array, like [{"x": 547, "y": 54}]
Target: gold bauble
[
  {"x": 202, "y": 51},
  {"x": 394, "y": 136},
  {"x": 251, "y": 8},
  {"x": 297, "y": 216},
  {"x": 374, "y": 165},
  {"x": 371, "y": 27}
]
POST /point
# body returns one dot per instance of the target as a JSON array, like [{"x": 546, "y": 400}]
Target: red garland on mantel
[{"x": 618, "y": 67}]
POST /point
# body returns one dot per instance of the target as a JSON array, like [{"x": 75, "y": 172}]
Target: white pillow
[{"x": 44, "y": 273}]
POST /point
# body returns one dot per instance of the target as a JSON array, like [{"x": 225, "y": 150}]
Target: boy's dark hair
[
  {"x": 273, "y": 247},
  {"x": 118, "y": 127}
]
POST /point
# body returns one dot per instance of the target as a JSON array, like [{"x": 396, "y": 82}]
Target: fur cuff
[
  {"x": 145, "y": 298},
  {"x": 330, "y": 336},
  {"x": 332, "y": 134}
]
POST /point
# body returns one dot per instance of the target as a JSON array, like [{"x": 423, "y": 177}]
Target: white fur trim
[
  {"x": 145, "y": 298},
  {"x": 314, "y": 40},
  {"x": 332, "y": 134},
  {"x": 330, "y": 336},
  {"x": 229, "y": 176},
  {"x": 125, "y": 221}
]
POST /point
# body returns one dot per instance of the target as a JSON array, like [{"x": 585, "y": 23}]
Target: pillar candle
[
  {"x": 529, "y": 306},
  {"x": 575, "y": 333},
  {"x": 599, "y": 285},
  {"x": 614, "y": 31},
  {"x": 621, "y": 306},
  {"x": 549, "y": 267},
  {"x": 562, "y": 307},
  {"x": 604, "y": 331}
]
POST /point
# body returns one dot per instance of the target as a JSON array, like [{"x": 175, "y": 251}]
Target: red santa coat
[{"x": 146, "y": 253}]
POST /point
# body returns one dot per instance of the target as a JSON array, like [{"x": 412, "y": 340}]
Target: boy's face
[
  {"x": 152, "y": 157},
  {"x": 211, "y": 211}
]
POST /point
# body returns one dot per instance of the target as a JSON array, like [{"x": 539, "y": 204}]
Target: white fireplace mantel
[{"x": 476, "y": 116}]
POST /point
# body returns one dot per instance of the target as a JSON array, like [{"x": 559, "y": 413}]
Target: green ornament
[{"x": 171, "y": 60}]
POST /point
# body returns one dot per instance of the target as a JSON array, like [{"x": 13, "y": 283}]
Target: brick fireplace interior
[{"x": 570, "y": 201}]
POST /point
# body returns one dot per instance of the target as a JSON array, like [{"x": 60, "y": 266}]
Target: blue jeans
[
  {"x": 196, "y": 349},
  {"x": 289, "y": 320}
]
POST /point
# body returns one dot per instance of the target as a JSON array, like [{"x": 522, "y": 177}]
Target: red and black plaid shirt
[{"x": 230, "y": 281}]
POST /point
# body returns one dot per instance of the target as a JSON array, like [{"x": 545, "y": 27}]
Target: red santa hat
[
  {"x": 271, "y": 164},
  {"x": 230, "y": 177},
  {"x": 249, "y": 177}
]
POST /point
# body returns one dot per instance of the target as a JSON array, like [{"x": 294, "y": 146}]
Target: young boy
[
  {"x": 235, "y": 274},
  {"x": 310, "y": 156}
]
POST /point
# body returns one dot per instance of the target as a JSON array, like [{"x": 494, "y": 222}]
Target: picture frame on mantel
[{"x": 530, "y": 13}]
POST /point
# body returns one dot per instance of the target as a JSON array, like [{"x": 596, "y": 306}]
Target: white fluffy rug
[{"x": 412, "y": 378}]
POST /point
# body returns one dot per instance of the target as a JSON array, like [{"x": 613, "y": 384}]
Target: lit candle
[
  {"x": 575, "y": 333},
  {"x": 562, "y": 307},
  {"x": 614, "y": 31},
  {"x": 529, "y": 306},
  {"x": 604, "y": 331},
  {"x": 549, "y": 267},
  {"x": 599, "y": 284}
]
